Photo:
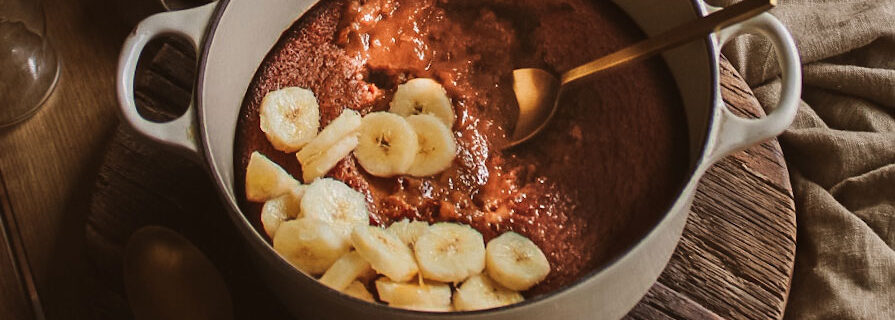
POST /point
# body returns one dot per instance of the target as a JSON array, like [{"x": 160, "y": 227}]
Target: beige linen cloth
[{"x": 840, "y": 151}]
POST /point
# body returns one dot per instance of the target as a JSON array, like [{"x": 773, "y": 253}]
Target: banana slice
[
  {"x": 428, "y": 297},
  {"x": 331, "y": 145},
  {"x": 328, "y": 159},
  {"x": 515, "y": 262},
  {"x": 282, "y": 208},
  {"x": 437, "y": 147},
  {"x": 336, "y": 204},
  {"x": 309, "y": 244},
  {"x": 387, "y": 144},
  {"x": 358, "y": 290},
  {"x": 344, "y": 271},
  {"x": 290, "y": 118},
  {"x": 385, "y": 253},
  {"x": 480, "y": 292},
  {"x": 408, "y": 231},
  {"x": 342, "y": 126},
  {"x": 423, "y": 96},
  {"x": 266, "y": 180},
  {"x": 450, "y": 252}
]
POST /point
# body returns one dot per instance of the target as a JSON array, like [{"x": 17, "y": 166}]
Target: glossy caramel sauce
[{"x": 601, "y": 175}]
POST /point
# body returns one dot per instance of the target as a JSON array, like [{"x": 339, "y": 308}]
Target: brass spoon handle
[{"x": 672, "y": 38}]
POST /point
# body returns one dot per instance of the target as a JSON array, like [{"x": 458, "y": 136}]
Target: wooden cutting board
[{"x": 734, "y": 261}]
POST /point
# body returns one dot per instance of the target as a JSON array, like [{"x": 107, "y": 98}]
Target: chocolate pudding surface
[{"x": 601, "y": 175}]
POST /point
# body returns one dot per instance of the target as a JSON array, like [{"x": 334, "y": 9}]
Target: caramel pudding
[{"x": 594, "y": 182}]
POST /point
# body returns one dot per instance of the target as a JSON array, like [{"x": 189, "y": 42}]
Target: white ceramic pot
[{"x": 233, "y": 36}]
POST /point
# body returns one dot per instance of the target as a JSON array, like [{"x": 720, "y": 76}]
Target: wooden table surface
[
  {"x": 78, "y": 185},
  {"x": 50, "y": 162}
]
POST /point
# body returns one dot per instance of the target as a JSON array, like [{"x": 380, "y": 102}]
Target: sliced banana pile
[
  {"x": 290, "y": 118},
  {"x": 310, "y": 225},
  {"x": 413, "y": 138},
  {"x": 421, "y": 264},
  {"x": 323, "y": 228}
]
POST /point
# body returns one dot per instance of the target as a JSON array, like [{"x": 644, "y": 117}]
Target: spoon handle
[{"x": 672, "y": 38}]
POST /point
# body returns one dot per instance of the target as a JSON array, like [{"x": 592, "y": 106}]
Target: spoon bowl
[{"x": 537, "y": 93}]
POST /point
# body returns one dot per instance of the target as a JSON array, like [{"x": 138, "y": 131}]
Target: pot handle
[
  {"x": 736, "y": 133},
  {"x": 180, "y": 133}
]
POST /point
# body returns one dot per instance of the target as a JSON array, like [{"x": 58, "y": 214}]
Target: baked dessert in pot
[{"x": 583, "y": 191}]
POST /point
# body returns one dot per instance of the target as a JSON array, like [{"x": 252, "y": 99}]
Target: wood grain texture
[
  {"x": 13, "y": 287},
  {"x": 51, "y": 160},
  {"x": 734, "y": 262},
  {"x": 736, "y": 255}
]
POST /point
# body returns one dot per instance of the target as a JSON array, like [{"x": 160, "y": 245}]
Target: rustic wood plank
[
  {"x": 661, "y": 302},
  {"x": 175, "y": 94},
  {"x": 167, "y": 66},
  {"x": 737, "y": 251},
  {"x": 176, "y": 61}
]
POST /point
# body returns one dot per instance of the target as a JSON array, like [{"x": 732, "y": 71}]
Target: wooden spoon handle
[{"x": 672, "y": 38}]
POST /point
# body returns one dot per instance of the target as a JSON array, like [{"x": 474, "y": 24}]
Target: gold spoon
[{"x": 537, "y": 91}]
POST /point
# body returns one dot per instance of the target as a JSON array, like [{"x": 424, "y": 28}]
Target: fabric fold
[{"x": 840, "y": 151}]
